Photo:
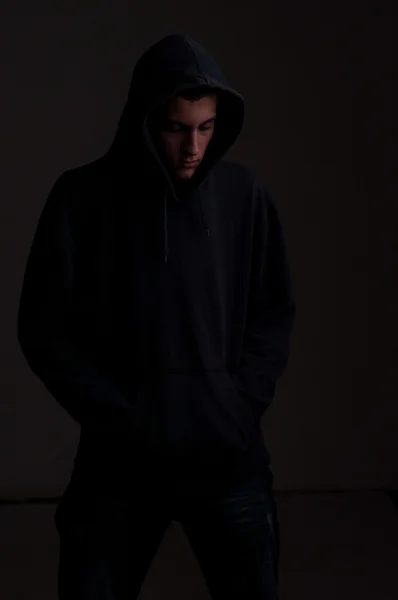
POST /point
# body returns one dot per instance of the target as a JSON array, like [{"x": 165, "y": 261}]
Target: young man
[{"x": 157, "y": 309}]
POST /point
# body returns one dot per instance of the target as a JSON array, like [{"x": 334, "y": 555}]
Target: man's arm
[
  {"x": 271, "y": 311},
  {"x": 46, "y": 305}
]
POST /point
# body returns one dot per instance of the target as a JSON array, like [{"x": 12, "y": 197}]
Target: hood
[{"x": 175, "y": 63}]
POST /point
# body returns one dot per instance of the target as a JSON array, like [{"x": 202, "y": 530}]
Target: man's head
[{"x": 182, "y": 130}]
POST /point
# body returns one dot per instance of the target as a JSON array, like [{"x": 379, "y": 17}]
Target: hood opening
[{"x": 172, "y": 65}]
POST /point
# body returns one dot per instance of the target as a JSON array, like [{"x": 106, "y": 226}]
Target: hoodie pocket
[{"x": 194, "y": 416}]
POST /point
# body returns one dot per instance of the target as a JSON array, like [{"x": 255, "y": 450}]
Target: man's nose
[{"x": 192, "y": 146}]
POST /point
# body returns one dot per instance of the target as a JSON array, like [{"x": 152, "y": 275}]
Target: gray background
[{"x": 317, "y": 81}]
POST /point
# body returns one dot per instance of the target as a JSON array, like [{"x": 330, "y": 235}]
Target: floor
[{"x": 333, "y": 546}]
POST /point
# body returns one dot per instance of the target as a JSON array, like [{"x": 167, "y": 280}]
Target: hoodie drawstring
[
  {"x": 166, "y": 228},
  {"x": 204, "y": 222}
]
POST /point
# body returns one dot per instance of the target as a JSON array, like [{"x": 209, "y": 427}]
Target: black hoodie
[{"x": 160, "y": 318}]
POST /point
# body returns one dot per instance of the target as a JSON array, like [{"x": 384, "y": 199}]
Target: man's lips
[{"x": 188, "y": 163}]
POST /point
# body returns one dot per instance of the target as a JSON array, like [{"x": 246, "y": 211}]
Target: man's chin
[{"x": 184, "y": 174}]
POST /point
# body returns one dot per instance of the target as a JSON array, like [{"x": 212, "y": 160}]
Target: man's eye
[{"x": 172, "y": 127}]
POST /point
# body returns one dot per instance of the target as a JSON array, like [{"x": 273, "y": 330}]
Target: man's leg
[
  {"x": 109, "y": 559},
  {"x": 235, "y": 538}
]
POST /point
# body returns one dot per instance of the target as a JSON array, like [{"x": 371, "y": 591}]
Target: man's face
[{"x": 184, "y": 133}]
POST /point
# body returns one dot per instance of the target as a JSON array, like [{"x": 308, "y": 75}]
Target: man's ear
[
  {"x": 154, "y": 128},
  {"x": 157, "y": 117}
]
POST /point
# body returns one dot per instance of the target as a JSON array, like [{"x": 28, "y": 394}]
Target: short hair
[
  {"x": 191, "y": 94},
  {"x": 197, "y": 93}
]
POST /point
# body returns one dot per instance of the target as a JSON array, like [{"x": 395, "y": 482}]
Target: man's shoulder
[
  {"x": 93, "y": 173},
  {"x": 83, "y": 190},
  {"x": 86, "y": 187}
]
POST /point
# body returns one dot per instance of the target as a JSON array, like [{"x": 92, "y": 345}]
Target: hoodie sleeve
[
  {"x": 271, "y": 311},
  {"x": 46, "y": 306}
]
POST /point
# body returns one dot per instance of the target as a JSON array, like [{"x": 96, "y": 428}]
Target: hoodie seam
[{"x": 196, "y": 61}]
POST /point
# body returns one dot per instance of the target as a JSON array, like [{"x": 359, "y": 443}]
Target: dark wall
[{"x": 317, "y": 78}]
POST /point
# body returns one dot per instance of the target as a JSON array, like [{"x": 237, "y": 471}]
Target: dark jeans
[{"x": 234, "y": 536}]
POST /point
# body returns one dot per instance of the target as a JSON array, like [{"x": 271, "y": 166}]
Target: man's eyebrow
[
  {"x": 209, "y": 120},
  {"x": 175, "y": 122}
]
